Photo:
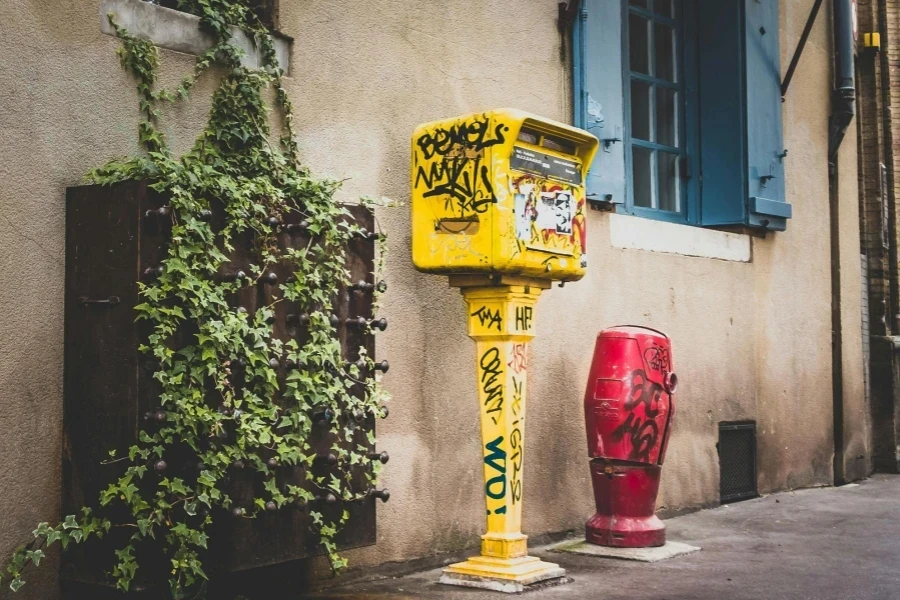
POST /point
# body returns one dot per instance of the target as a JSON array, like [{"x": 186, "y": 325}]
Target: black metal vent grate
[{"x": 737, "y": 461}]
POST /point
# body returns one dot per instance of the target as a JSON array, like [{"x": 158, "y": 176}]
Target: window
[
  {"x": 684, "y": 96},
  {"x": 266, "y": 10},
  {"x": 656, "y": 130},
  {"x": 181, "y": 31}
]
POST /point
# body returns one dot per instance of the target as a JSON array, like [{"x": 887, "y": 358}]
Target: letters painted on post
[{"x": 492, "y": 382}]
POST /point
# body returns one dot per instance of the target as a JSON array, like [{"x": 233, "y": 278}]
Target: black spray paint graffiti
[
  {"x": 515, "y": 442},
  {"x": 492, "y": 381},
  {"x": 657, "y": 358},
  {"x": 642, "y": 431},
  {"x": 459, "y": 178},
  {"x": 517, "y": 396},
  {"x": 490, "y": 317},
  {"x": 456, "y": 166},
  {"x": 495, "y": 487},
  {"x": 470, "y": 135},
  {"x": 523, "y": 318}
]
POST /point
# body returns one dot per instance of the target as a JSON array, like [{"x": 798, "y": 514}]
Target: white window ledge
[
  {"x": 637, "y": 233},
  {"x": 181, "y": 32}
]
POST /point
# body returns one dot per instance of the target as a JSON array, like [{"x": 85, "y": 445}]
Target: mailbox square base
[{"x": 511, "y": 575}]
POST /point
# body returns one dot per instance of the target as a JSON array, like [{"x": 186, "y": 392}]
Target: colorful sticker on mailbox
[
  {"x": 548, "y": 215},
  {"x": 562, "y": 208},
  {"x": 525, "y": 211},
  {"x": 552, "y": 211}
]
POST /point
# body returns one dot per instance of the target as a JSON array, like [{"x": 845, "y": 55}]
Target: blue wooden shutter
[
  {"x": 597, "y": 53},
  {"x": 765, "y": 146},
  {"x": 741, "y": 153},
  {"x": 722, "y": 119}
]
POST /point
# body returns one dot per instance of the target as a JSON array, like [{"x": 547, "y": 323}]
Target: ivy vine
[{"x": 253, "y": 422}]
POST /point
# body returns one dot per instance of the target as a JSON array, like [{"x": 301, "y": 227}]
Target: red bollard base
[{"x": 625, "y": 497}]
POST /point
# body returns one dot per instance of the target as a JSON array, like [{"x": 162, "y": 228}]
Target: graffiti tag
[
  {"x": 452, "y": 164},
  {"x": 492, "y": 381},
  {"x": 523, "y": 318},
  {"x": 657, "y": 358},
  {"x": 489, "y": 317},
  {"x": 495, "y": 458},
  {"x": 515, "y": 442},
  {"x": 642, "y": 431},
  {"x": 459, "y": 179},
  {"x": 473, "y": 135},
  {"x": 517, "y": 397},
  {"x": 519, "y": 362}
]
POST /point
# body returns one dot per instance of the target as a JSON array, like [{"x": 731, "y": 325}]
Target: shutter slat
[
  {"x": 765, "y": 166},
  {"x": 722, "y": 118},
  {"x": 598, "y": 94}
]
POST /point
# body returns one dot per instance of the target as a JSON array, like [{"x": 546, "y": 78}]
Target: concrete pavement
[{"x": 817, "y": 544}]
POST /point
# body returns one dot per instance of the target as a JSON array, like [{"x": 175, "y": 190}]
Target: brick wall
[
  {"x": 878, "y": 98},
  {"x": 871, "y": 156}
]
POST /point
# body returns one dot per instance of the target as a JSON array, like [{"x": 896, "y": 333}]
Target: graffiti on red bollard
[{"x": 628, "y": 407}]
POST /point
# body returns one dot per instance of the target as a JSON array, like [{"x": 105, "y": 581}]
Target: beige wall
[{"x": 751, "y": 340}]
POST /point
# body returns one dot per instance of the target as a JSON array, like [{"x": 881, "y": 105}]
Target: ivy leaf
[
  {"x": 206, "y": 479},
  {"x": 129, "y": 491},
  {"x": 335, "y": 483},
  {"x": 35, "y": 556}
]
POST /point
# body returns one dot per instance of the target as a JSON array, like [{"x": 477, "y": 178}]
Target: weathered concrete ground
[{"x": 833, "y": 543}]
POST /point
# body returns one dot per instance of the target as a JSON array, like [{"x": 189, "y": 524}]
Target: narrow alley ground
[{"x": 833, "y": 543}]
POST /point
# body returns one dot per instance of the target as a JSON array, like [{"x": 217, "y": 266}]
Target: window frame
[
  {"x": 266, "y": 10},
  {"x": 181, "y": 32},
  {"x": 742, "y": 133},
  {"x": 684, "y": 26}
]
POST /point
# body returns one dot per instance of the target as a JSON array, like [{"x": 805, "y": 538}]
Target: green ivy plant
[{"x": 235, "y": 164}]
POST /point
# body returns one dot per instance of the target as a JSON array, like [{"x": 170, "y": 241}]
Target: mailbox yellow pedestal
[
  {"x": 501, "y": 321},
  {"x": 498, "y": 204}
]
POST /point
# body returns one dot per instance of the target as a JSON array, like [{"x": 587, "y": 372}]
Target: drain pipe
[
  {"x": 844, "y": 94},
  {"x": 842, "y": 111}
]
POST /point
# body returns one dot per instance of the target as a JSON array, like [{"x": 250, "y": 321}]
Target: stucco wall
[{"x": 751, "y": 340}]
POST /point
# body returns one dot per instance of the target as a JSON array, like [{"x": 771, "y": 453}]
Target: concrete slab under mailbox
[{"x": 668, "y": 550}]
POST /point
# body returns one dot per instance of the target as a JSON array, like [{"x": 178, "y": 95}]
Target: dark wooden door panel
[{"x": 116, "y": 236}]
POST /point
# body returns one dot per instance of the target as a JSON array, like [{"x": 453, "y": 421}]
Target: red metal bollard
[{"x": 628, "y": 410}]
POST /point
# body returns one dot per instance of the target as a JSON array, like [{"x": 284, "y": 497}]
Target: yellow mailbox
[
  {"x": 500, "y": 192},
  {"x": 498, "y": 204}
]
